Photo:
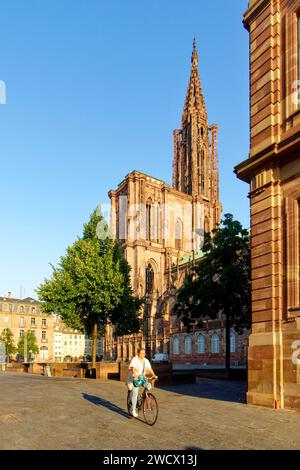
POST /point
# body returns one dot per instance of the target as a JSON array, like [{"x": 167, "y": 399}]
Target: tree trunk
[
  {"x": 94, "y": 344},
  {"x": 227, "y": 334}
]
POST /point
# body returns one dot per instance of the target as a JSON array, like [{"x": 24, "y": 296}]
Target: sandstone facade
[
  {"x": 273, "y": 171},
  {"x": 22, "y": 315}
]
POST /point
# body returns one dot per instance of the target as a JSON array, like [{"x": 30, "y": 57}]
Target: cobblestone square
[{"x": 39, "y": 412}]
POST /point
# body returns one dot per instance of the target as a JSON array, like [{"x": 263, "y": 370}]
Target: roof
[
  {"x": 141, "y": 173},
  {"x": 189, "y": 257},
  {"x": 27, "y": 300}
]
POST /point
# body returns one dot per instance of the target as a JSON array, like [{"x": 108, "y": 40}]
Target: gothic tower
[
  {"x": 195, "y": 165},
  {"x": 161, "y": 228}
]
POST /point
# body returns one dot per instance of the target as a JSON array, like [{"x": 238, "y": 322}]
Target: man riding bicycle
[{"x": 138, "y": 369}]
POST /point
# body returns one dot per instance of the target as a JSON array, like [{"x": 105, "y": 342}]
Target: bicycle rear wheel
[{"x": 150, "y": 409}]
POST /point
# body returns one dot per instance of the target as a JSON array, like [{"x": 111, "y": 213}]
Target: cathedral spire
[
  {"x": 195, "y": 161},
  {"x": 195, "y": 53},
  {"x": 194, "y": 100}
]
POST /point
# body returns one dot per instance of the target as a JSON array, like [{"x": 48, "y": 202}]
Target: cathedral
[{"x": 161, "y": 229}]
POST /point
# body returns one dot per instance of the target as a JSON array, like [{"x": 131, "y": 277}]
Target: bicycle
[{"x": 146, "y": 401}]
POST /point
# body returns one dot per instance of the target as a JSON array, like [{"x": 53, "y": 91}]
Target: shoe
[{"x": 134, "y": 414}]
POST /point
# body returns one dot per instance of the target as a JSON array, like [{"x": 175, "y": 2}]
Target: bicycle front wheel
[{"x": 150, "y": 409}]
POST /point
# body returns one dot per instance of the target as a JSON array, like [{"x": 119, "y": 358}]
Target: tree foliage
[
  {"x": 220, "y": 282},
  {"x": 31, "y": 344},
  {"x": 7, "y": 337},
  {"x": 90, "y": 287}
]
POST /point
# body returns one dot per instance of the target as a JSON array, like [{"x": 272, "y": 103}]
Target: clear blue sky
[{"x": 94, "y": 90}]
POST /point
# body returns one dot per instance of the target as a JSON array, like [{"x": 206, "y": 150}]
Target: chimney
[{"x": 9, "y": 295}]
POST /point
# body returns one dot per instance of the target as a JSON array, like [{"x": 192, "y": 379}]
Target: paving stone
[{"x": 39, "y": 412}]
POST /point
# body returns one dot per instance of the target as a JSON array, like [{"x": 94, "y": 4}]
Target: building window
[
  {"x": 232, "y": 342},
  {"x": 33, "y": 323},
  {"x": 158, "y": 223},
  {"x": 22, "y": 321},
  {"x": 148, "y": 219},
  {"x": 33, "y": 310},
  {"x": 21, "y": 309},
  {"x": 149, "y": 279},
  {"x": 201, "y": 344},
  {"x": 44, "y": 322},
  {"x": 43, "y": 335},
  {"x": 299, "y": 250},
  {"x": 176, "y": 345},
  {"x": 44, "y": 352},
  {"x": 178, "y": 235},
  {"x": 10, "y": 308},
  {"x": 206, "y": 225},
  {"x": 21, "y": 333},
  {"x": 188, "y": 345},
  {"x": 292, "y": 253},
  {"x": 202, "y": 172},
  {"x": 215, "y": 343}
]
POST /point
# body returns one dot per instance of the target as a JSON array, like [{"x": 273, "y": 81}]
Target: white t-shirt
[{"x": 140, "y": 365}]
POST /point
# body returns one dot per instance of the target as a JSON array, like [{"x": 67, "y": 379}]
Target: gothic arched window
[
  {"x": 232, "y": 342},
  {"x": 149, "y": 279},
  {"x": 215, "y": 343},
  {"x": 148, "y": 219},
  {"x": 176, "y": 345},
  {"x": 188, "y": 345},
  {"x": 178, "y": 235},
  {"x": 201, "y": 344},
  {"x": 158, "y": 223},
  {"x": 202, "y": 171}
]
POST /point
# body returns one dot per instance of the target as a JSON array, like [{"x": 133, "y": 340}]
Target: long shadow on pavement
[
  {"x": 106, "y": 404},
  {"x": 213, "y": 389}
]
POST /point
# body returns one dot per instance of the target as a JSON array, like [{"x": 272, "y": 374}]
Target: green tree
[
  {"x": 7, "y": 337},
  {"x": 31, "y": 344},
  {"x": 220, "y": 282},
  {"x": 89, "y": 284},
  {"x": 125, "y": 315}
]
